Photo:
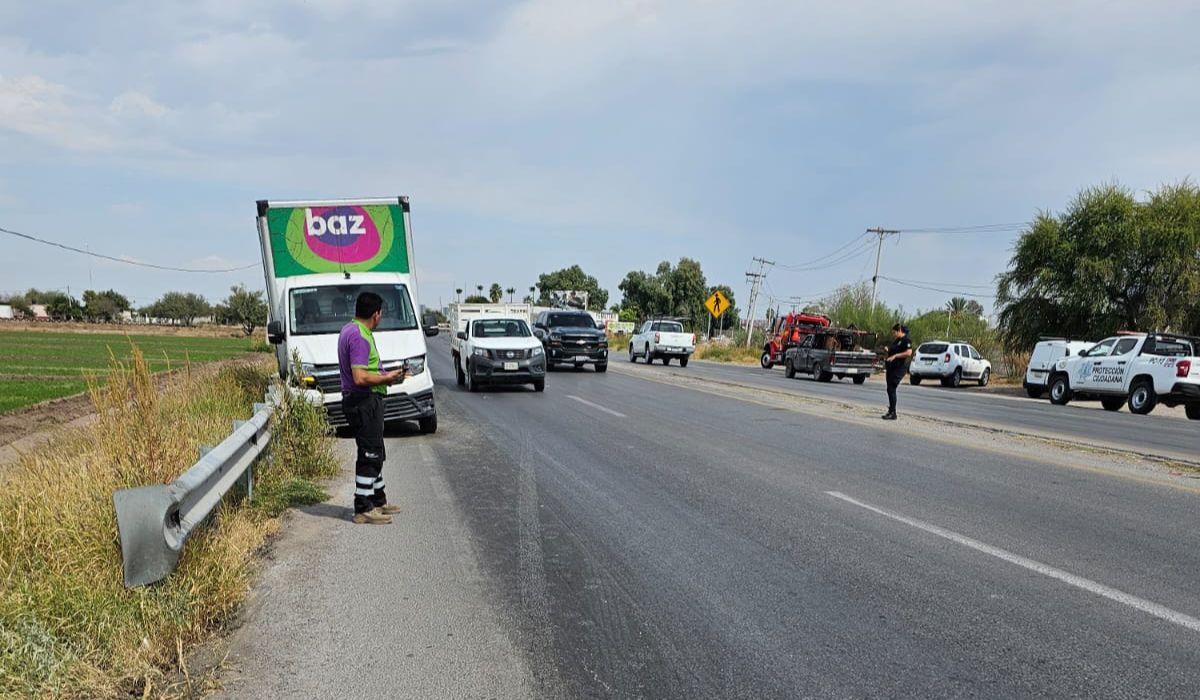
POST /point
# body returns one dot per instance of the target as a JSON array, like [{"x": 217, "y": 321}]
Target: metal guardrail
[{"x": 155, "y": 521}]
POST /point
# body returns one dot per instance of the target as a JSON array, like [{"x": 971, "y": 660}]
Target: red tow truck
[{"x": 786, "y": 332}]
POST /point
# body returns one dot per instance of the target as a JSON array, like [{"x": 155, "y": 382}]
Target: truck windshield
[
  {"x": 321, "y": 310},
  {"x": 500, "y": 328},
  {"x": 570, "y": 321}
]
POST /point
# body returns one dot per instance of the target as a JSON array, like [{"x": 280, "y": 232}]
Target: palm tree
[
  {"x": 480, "y": 288},
  {"x": 495, "y": 292},
  {"x": 955, "y": 307},
  {"x": 510, "y": 291},
  {"x": 458, "y": 292}
]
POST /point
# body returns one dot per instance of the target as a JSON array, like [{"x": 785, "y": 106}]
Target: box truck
[{"x": 318, "y": 256}]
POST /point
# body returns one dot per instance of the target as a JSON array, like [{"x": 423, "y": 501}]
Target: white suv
[{"x": 949, "y": 362}]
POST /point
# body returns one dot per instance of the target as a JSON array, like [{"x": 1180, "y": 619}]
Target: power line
[
  {"x": 81, "y": 251},
  {"x": 800, "y": 267},
  {"x": 945, "y": 284},
  {"x": 977, "y": 228},
  {"x": 936, "y": 289},
  {"x": 863, "y": 248}
]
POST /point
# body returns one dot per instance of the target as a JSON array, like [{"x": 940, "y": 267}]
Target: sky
[{"x": 534, "y": 135}]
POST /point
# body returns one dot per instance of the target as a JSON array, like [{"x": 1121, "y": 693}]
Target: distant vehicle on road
[
  {"x": 829, "y": 353},
  {"x": 571, "y": 337},
  {"x": 498, "y": 350},
  {"x": 1041, "y": 362},
  {"x": 1141, "y": 369},
  {"x": 662, "y": 340},
  {"x": 950, "y": 363},
  {"x": 786, "y": 332}
]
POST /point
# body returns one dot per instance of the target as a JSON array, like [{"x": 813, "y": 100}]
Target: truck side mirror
[
  {"x": 539, "y": 333},
  {"x": 461, "y": 335},
  {"x": 431, "y": 325},
  {"x": 1082, "y": 352},
  {"x": 275, "y": 332}
]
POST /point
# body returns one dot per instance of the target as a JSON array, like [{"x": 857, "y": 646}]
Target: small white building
[
  {"x": 39, "y": 312},
  {"x": 6, "y": 312}
]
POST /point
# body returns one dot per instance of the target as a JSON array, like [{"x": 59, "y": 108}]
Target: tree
[
  {"x": 243, "y": 307},
  {"x": 476, "y": 299},
  {"x": 572, "y": 279},
  {"x": 182, "y": 307},
  {"x": 510, "y": 292},
  {"x": 19, "y": 303},
  {"x": 678, "y": 291},
  {"x": 495, "y": 292},
  {"x": 62, "y": 307},
  {"x": 1108, "y": 262},
  {"x": 104, "y": 306}
]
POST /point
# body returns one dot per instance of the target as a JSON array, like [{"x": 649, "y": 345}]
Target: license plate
[
  {"x": 852, "y": 370},
  {"x": 582, "y": 358},
  {"x": 511, "y": 366},
  {"x": 928, "y": 361},
  {"x": 674, "y": 349}
]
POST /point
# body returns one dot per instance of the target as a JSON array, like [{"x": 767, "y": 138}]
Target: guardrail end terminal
[{"x": 141, "y": 519}]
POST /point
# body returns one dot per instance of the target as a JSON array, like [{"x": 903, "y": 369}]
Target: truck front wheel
[
  {"x": 459, "y": 376},
  {"x": 1192, "y": 410},
  {"x": 1060, "y": 391},
  {"x": 1142, "y": 399},
  {"x": 428, "y": 425},
  {"x": 789, "y": 369},
  {"x": 765, "y": 360}
]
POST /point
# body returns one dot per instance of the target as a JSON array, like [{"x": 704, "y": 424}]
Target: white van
[
  {"x": 318, "y": 257},
  {"x": 1041, "y": 362}
]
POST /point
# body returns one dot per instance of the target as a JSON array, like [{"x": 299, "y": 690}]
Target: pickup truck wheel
[
  {"x": 765, "y": 360},
  {"x": 601, "y": 366},
  {"x": 859, "y": 379},
  {"x": 683, "y": 361},
  {"x": 539, "y": 385},
  {"x": 1060, "y": 391},
  {"x": 914, "y": 379},
  {"x": 458, "y": 373},
  {"x": 956, "y": 378},
  {"x": 789, "y": 369},
  {"x": 428, "y": 426},
  {"x": 472, "y": 383},
  {"x": 1192, "y": 410},
  {"x": 1142, "y": 399},
  {"x": 1112, "y": 403},
  {"x": 985, "y": 377},
  {"x": 821, "y": 374}
]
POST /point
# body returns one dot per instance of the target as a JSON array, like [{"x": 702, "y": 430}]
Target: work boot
[
  {"x": 372, "y": 517},
  {"x": 388, "y": 509},
  {"x": 889, "y": 416}
]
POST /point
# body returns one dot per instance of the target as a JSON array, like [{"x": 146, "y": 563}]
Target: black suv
[{"x": 571, "y": 337}]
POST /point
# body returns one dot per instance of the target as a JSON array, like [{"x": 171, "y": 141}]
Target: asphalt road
[
  {"x": 1081, "y": 421},
  {"x": 614, "y": 537}
]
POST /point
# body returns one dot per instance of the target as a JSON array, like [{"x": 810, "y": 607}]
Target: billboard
[
  {"x": 346, "y": 237},
  {"x": 568, "y": 299}
]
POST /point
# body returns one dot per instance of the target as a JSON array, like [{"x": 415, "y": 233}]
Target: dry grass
[
  {"x": 68, "y": 626},
  {"x": 736, "y": 354}
]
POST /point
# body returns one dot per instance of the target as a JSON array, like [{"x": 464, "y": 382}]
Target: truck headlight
[
  {"x": 480, "y": 352},
  {"x": 537, "y": 352},
  {"x": 306, "y": 375},
  {"x": 416, "y": 365}
]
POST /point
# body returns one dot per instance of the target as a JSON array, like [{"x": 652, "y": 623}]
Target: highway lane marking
[
  {"x": 597, "y": 406},
  {"x": 1146, "y": 606}
]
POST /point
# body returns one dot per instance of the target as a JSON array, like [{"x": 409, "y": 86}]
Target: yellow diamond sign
[{"x": 717, "y": 304}]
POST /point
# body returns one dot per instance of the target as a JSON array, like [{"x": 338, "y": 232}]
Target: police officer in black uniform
[{"x": 896, "y": 365}]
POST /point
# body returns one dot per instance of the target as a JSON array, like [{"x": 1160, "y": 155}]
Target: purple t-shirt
[{"x": 356, "y": 348}]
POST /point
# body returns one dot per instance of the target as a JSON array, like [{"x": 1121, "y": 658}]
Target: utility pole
[
  {"x": 756, "y": 279},
  {"x": 882, "y": 233}
]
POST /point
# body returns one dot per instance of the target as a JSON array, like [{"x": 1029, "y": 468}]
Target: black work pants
[
  {"x": 893, "y": 382},
  {"x": 364, "y": 413}
]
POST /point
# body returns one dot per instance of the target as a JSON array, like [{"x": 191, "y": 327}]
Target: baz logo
[{"x": 335, "y": 224}]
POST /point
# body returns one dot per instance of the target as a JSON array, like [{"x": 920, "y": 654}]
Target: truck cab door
[
  {"x": 1084, "y": 376},
  {"x": 1109, "y": 375}
]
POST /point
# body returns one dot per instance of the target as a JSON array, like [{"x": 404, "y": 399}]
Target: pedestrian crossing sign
[{"x": 717, "y": 304}]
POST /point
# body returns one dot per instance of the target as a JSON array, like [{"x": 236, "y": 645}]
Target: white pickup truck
[
  {"x": 665, "y": 340},
  {"x": 1141, "y": 369},
  {"x": 492, "y": 349}
]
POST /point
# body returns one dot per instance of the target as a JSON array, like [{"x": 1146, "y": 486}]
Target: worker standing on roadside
[
  {"x": 896, "y": 365},
  {"x": 363, "y": 389}
]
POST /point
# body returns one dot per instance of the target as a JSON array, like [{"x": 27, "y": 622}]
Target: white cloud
[{"x": 48, "y": 112}]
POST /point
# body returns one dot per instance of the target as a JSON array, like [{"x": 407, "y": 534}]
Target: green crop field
[{"x": 39, "y": 365}]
